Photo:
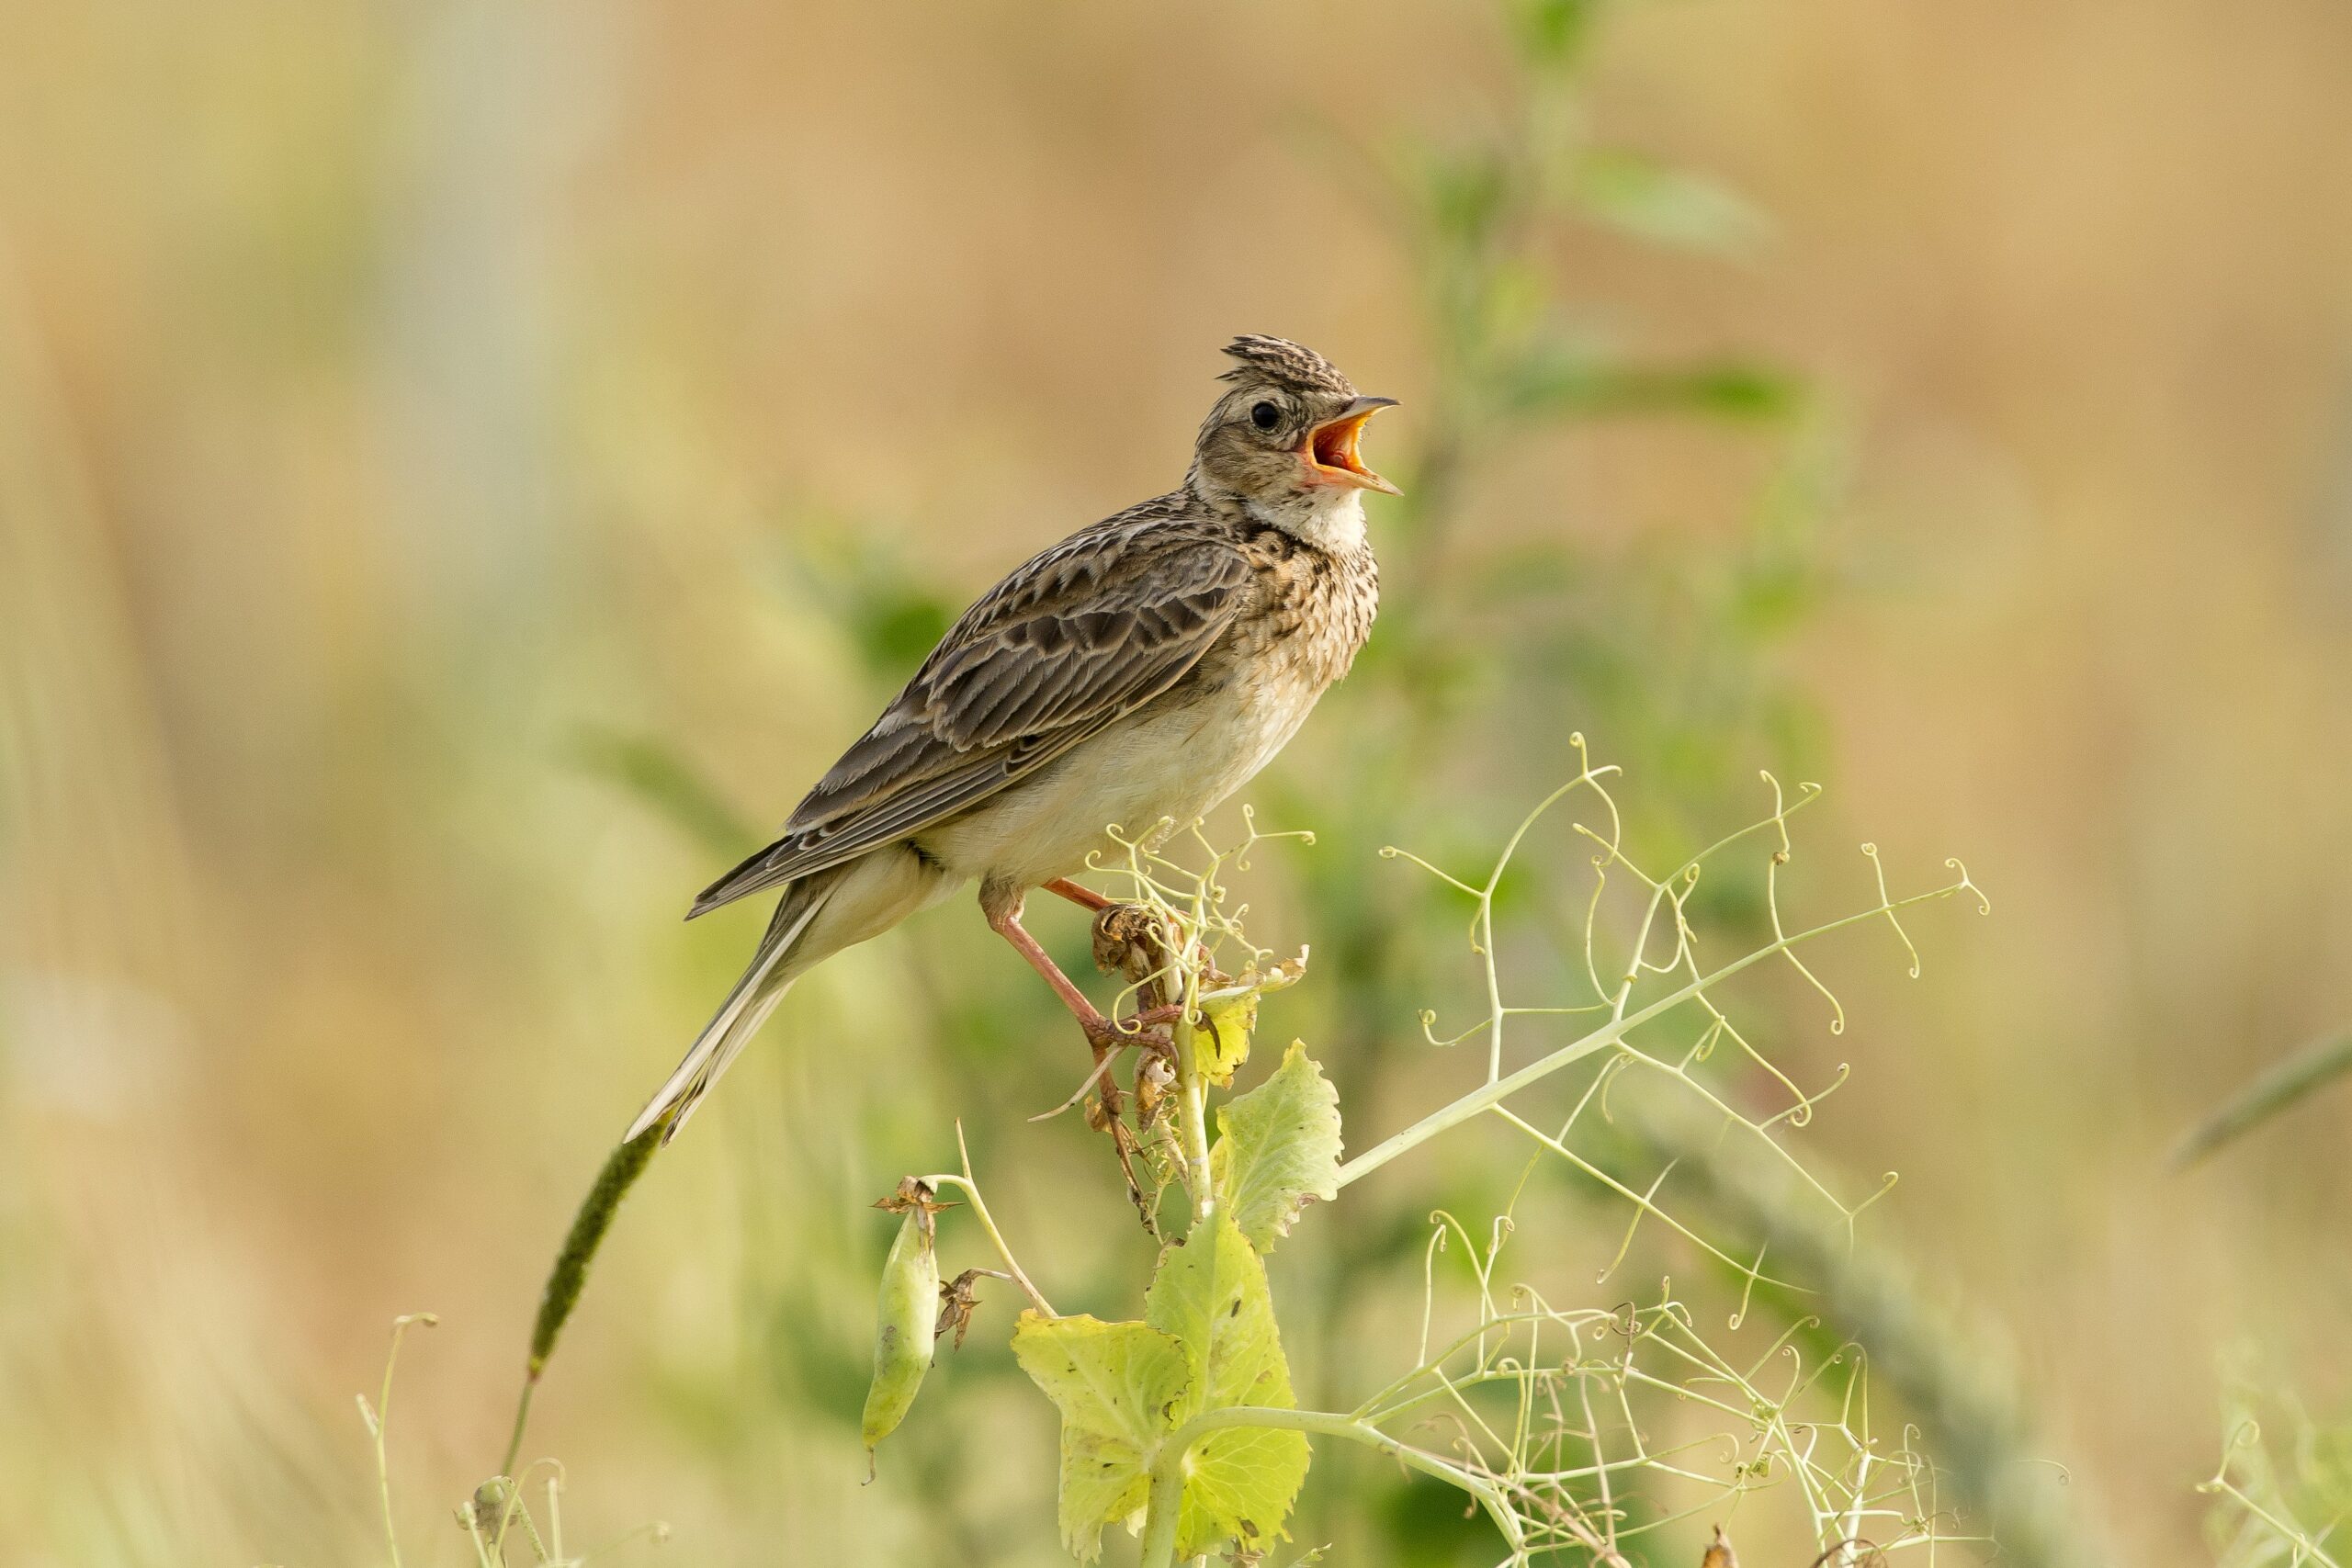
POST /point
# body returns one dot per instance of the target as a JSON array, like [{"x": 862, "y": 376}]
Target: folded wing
[{"x": 1078, "y": 637}]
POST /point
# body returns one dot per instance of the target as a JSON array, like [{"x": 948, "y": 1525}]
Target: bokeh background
[{"x": 465, "y": 467}]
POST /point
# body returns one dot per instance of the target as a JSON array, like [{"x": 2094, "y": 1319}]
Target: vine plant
[
  {"x": 2263, "y": 1494},
  {"x": 1575, "y": 1429}
]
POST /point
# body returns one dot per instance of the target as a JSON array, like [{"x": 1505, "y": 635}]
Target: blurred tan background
[{"x": 393, "y": 400}]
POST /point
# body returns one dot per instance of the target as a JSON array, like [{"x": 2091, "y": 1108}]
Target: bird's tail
[{"x": 739, "y": 1018}]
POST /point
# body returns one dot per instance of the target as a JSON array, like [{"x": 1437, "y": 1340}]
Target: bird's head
[{"x": 1281, "y": 443}]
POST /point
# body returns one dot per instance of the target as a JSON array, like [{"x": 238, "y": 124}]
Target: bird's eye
[{"x": 1265, "y": 415}]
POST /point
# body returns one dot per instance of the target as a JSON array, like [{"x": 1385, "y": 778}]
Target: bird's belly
[{"x": 1173, "y": 762}]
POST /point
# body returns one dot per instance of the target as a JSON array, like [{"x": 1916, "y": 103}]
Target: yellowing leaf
[
  {"x": 1278, "y": 1145},
  {"x": 1210, "y": 1296},
  {"x": 1224, "y": 1044},
  {"x": 1240, "y": 1482},
  {"x": 1118, "y": 1386}
]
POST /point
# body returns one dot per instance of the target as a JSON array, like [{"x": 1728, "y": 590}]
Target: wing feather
[{"x": 1074, "y": 639}]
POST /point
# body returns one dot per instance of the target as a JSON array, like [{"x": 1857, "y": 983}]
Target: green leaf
[
  {"x": 1210, "y": 1296},
  {"x": 1208, "y": 1342},
  {"x": 1118, "y": 1386},
  {"x": 1466, "y": 195},
  {"x": 1240, "y": 1482},
  {"x": 1567, "y": 380},
  {"x": 1656, "y": 201},
  {"x": 1554, "y": 32},
  {"x": 2273, "y": 1090},
  {"x": 1277, "y": 1147}
]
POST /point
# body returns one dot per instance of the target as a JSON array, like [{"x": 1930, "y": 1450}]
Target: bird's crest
[{"x": 1286, "y": 363}]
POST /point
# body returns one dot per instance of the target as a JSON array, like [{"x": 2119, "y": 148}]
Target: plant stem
[
  {"x": 1165, "y": 1504},
  {"x": 970, "y": 1189},
  {"x": 1192, "y": 1088},
  {"x": 622, "y": 1168},
  {"x": 522, "y": 1417},
  {"x": 1192, "y": 1118},
  {"x": 1497, "y": 1090},
  {"x": 381, "y": 1418}
]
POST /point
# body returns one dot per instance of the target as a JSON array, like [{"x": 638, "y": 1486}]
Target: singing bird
[{"x": 1144, "y": 668}]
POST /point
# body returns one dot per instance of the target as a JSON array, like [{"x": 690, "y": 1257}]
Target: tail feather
[{"x": 738, "y": 1019}]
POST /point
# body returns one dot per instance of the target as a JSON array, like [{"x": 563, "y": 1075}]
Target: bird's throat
[{"x": 1328, "y": 516}]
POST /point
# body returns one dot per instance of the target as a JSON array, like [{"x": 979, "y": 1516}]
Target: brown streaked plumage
[{"x": 1145, "y": 667}]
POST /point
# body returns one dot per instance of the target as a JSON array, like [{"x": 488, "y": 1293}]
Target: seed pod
[
  {"x": 485, "y": 1512},
  {"x": 905, "y": 1315}
]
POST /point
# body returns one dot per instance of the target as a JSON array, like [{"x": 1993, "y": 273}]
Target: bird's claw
[{"x": 1106, "y": 1034}]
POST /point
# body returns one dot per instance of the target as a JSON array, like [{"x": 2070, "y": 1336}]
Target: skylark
[{"x": 1144, "y": 668}]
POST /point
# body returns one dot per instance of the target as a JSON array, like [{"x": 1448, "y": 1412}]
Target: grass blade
[{"x": 2275, "y": 1089}]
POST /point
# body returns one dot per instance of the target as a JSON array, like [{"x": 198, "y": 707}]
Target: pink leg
[
  {"x": 1084, "y": 897},
  {"x": 1006, "y": 922}
]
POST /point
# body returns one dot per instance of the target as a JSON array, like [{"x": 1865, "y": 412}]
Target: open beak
[{"x": 1331, "y": 448}]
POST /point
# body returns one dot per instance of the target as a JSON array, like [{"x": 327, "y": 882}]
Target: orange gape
[{"x": 1329, "y": 449}]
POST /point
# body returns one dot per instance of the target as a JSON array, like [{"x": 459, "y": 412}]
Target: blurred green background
[{"x": 466, "y": 467}]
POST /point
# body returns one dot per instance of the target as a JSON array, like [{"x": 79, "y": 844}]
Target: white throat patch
[{"x": 1329, "y": 516}]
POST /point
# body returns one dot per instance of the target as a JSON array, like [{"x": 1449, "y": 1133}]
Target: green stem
[
  {"x": 1163, "y": 1508},
  {"x": 971, "y": 1190},
  {"x": 381, "y": 1417},
  {"x": 1191, "y": 1088},
  {"x": 522, "y": 1418},
  {"x": 1497, "y": 1090}
]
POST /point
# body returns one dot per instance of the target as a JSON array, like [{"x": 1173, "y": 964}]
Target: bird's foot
[
  {"x": 1143, "y": 1030},
  {"x": 1104, "y": 1112}
]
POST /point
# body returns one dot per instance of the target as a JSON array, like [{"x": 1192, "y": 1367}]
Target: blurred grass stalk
[
  {"x": 2279, "y": 1087},
  {"x": 570, "y": 1276},
  {"x": 1855, "y": 1293}
]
